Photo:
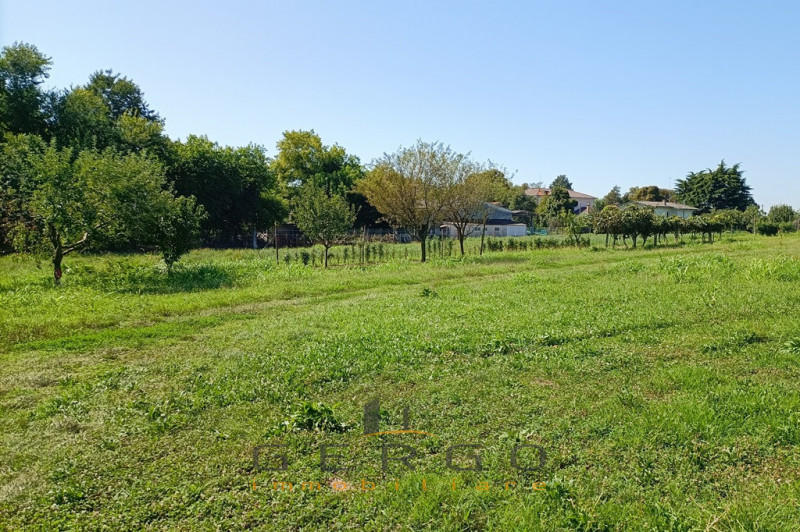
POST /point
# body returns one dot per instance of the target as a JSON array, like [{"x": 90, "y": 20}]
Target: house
[
  {"x": 584, "y": 201},
  {"x": 668, "y": 208},
  {"x": 499, "y": 222}
]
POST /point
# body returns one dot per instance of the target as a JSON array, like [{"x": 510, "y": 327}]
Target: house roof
[
  {"x": 546, "y": 192},
  {"x": 679, "y": 206}
]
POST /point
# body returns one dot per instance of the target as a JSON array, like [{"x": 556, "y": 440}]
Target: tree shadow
[{"x": 122, "y": 278}]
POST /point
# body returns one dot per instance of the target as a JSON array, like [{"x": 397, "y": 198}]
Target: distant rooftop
[{"x": 546, "y": 192}]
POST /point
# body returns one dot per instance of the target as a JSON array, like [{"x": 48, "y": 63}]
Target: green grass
[{"x": 663, "y": 385}]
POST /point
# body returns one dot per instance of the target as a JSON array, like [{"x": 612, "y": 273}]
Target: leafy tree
[
  {"x": 17, "y": 156},
  {"x": 637, "y": 221},
  {"x": 721, "y": 188},
  {"x": 408, "y": 187},
  {"x": 23, "y": 69},
  {"x": 781, "y": 213},
  {"x": 121, "y": 95},
  {"x": 302, "y": 158},
  {"x": 561, "y": 181},
  {"x": 467, "y": 195},
  {"x": 751, "y": 217},
  {"x": 176, "y": 228},
  {"x": 551, "y": 206},
  {"x": 234, "y": 185},
  {"x": 83, "y": 121},
  {"x": 322, "y": 218},
  {"x": 98, "y": 194},
  {"x": 730, "y": 219},
  {"x": 613, "y": 197},
  {"x": 647, "y": 193}
]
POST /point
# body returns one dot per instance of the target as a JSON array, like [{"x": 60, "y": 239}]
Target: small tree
[
  {"x": 323, "y": 219},
  {"x": 177, "y": 228},
  {"x": 408, "y": 187},
  {"x": 465, "y": 203},
  {"x": 104, "y": 195}
]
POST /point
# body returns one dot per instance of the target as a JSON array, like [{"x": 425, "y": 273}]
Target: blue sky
[{"x": 609, "y": 93}]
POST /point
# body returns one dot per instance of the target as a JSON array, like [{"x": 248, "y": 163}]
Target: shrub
[{"x": 768, "y": 229}]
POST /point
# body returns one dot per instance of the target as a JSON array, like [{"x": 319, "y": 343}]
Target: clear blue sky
[{"x": 626, "y": 93}]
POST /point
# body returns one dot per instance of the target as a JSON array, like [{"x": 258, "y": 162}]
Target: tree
[
  {"x": 176, "y": 228},
  {"x": 17, "y": 156},
  {"x": 23, "y": 69},
  {"x": 613, "y": 197},
  {"x": 234, "y": 185},
  {"x": 551, "y": 206},
  {"x": 82, "y": 121},
  {"x": 637, "y": 221},
  {"x": 467, "y": 195},
  {"x": 322, "y": 218},
  {"x": 721, "y": 188},
  {"x": 647, "y": 193},
  {"x": 561, "y": 181},
  {"x": 781, "y": 214},
  {"x": 98, "y": 194},
  {"x": 121, "y": 95},
  {"x": 609, "y": 222},
  {"x": 302, "y": 158},
  {"x": 408, "y": 187}
]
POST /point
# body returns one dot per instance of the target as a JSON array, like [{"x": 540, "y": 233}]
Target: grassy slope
[{"x": 656, "y": 380}]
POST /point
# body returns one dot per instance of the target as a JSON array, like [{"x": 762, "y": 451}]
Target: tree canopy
[
  {"x": 234, "y": 185},
  {"x": 721, "y": 188},
  {"x": 561, "y": 181},
  {"x": 409, "y": 187}
]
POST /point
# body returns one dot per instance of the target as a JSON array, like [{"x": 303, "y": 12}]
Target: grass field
[{"x": 663, "y": 386}]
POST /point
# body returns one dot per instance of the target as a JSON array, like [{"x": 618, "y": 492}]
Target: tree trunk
[
  {"x": 58, "y": 256},
  {"x": 326, "y": 256},
  {"x": 255, "y": 238},
  {"x": 422, "y": 238}
]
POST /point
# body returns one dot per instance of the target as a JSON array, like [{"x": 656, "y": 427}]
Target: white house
[
  {"x": 668, "y": 208},
  {"x": 584, "y": 201},
  {"x": 499, "y": 222}
]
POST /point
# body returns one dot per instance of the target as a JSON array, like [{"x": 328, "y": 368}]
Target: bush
[
  {"x": 787, "y": 227},
  {"x": 768, "y": 229}
]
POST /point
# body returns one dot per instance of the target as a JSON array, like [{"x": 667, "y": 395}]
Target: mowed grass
[{"x": 662, "y": 384}]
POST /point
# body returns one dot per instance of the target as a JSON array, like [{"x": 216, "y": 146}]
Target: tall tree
[
  {"x": 721, "y": 188},
  {"x": 561, "y": 181},
  {"x": 23, "y": 70},
  {"x": 552, "y": 205},
  {"x": 302, "y": 158},
  {"x": 322, "y": 218},
  {"x": 120, "y": 94},
  {"x": 408, "y": 187},
  {"x": 613, "y": 197},
  {"x": 83, "y": 121},
  {"x": 234, "y": 185}
]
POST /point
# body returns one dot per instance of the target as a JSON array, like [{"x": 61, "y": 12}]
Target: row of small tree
[{"x": 637, "y": 222}]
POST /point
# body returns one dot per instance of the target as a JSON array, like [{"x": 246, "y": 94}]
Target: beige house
[
  {"x": 668, "y": 208},
  {"x": 584, "y": 201}
]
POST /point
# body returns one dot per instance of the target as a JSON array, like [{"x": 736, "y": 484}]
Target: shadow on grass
[{"x": 125, "y": 278}]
